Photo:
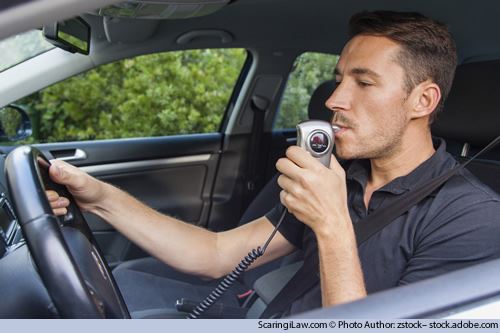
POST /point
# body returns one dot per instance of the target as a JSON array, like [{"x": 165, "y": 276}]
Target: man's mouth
[
  {"x": 341, "y": 129},
  {"x": 343, "y": 124}
]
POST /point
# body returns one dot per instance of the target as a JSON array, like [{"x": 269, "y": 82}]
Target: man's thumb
[{"x": 59, "y": 172}]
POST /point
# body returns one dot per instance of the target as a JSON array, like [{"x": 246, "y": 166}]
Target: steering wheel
[{"x": 64, "y": 250}]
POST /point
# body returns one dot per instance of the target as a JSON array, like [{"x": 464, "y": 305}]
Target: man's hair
[{"x": 428, "y": 50}]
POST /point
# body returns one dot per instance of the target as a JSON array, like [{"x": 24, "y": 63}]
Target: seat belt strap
[
  {"x": 259, "y": 105},
  {"x": 299, "y": 284},
  {"x": 305, "y": 278},
  {"x": 375, "y": 222}
]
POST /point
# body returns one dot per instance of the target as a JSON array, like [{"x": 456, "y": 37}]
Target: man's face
[{"x": 370, "y": 99}]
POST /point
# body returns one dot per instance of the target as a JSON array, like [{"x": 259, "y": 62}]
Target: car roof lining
[
  {"x": 289, "y": 24},
  {"x": 282, "y": 24}
]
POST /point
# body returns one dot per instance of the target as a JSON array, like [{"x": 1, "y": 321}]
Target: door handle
[{"x": 69, "y": 154}]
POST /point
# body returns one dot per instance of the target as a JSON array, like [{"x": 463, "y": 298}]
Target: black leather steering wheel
[{"x": 66, "y": 254}]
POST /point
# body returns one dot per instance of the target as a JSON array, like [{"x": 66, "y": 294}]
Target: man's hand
[
  {"x": 315, "y": 194},
  {"x": 86, "y": 190},
  {"x": 57, "y": 203}
]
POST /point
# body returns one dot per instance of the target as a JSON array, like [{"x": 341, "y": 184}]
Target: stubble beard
[{"x": 381, "y": 144}]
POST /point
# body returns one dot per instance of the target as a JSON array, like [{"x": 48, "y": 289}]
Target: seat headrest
[
  {"x": 472, "y": 111},
  {"x": 317, "y": 109}
]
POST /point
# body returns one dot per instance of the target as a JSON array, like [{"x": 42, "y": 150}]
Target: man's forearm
[
  {"x": 340, "y": 269},
  {"x": 185, "y": 247}
]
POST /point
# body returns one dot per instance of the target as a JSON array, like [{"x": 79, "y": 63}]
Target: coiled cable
[{"x": 225, "y": 284}]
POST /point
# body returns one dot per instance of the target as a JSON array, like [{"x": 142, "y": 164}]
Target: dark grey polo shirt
[{"x": 457, "y": 226}]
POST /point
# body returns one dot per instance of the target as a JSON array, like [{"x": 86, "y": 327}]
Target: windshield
[{"x": 22, "y": 47}]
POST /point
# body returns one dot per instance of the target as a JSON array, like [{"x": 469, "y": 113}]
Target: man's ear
[{"x": 425, "y": 99}]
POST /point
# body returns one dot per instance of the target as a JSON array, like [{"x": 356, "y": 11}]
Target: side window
[
  {"x": 22, "y": 47},
  {"x": 309, "y": 71},
  {"x": 179, "y": 92}
]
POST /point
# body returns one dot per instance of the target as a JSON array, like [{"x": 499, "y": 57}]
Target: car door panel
[
  {"x": 174, "y": 175},
  {"x": 136, "y": 149}
]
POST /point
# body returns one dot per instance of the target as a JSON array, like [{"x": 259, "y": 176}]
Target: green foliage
[
  {"x": 10, "y": 120},
  {"x": 310, "y": 70},
  {"x": 152, "y": 95},
  {"x": 160, "y": 94}
]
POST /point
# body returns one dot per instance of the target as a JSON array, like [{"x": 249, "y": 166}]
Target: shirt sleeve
[
  {"x": 460, "y": 238},
  {"x": 291, "y": 228}
]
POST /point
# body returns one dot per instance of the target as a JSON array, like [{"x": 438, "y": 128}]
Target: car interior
[{"x": 74, "y": 266}]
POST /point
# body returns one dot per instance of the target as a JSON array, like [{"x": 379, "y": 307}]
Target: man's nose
[{"x": 340, "y": 98}]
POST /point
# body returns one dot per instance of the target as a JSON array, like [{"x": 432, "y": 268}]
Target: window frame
[
  {"x": 233, "y": 95},
  {"x": 286, "y": 86}
]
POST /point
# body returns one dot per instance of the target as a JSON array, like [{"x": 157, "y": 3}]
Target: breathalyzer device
[{"x": 317, "y": 137}]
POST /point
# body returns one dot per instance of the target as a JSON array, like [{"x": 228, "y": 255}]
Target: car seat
[{"x": 471, "y": 119}]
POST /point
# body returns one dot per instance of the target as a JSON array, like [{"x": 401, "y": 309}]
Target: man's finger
[
  {"x": 288, "y": 200},
  {"x": 283, "y": 195},
  {"x": 61, "y": 202},
  {"x": 52, "y": 195},
  {"x": 334, "y": 163},
  {"x": 60, "y": 211},
  {"x": 285, "y": 183},
  {"x": 287, "y": 167},
  {"x": 335, "y": 166},
  {"x": 66, "y": 174},
  {"x": 302, "y": 158}
]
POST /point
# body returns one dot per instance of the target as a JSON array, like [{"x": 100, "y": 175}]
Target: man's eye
[{"x": 364, "y": 83}]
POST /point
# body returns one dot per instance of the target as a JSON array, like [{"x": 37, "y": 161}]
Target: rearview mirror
[
  {"x": 72, "y": 35},
  {"x": 14, "y": 123}
]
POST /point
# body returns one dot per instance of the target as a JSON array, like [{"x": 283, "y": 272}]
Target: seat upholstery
[
  {"x": 472, "y": 111},
  {"x": 317, "y": 109},
  {"x": 471, "y": 118}
]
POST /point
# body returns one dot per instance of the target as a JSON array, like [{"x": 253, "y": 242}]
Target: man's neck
[{"x": 407, "y": 157}]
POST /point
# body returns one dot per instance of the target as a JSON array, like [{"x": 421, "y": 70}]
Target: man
[{"x": 392, "y": 77}]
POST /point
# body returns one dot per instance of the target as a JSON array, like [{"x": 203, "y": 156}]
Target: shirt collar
[{"x": 438, "y": 163}]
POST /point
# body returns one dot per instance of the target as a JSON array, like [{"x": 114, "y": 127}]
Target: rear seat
[{"x": 471, "y": 118}]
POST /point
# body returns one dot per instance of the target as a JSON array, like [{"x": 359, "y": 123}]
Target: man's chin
[{"x": 344, "y": 154}]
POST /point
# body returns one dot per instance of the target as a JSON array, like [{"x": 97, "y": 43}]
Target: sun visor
[
  {"x": 162, "y": 9},
  {"x": 127, "y": 30}
]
